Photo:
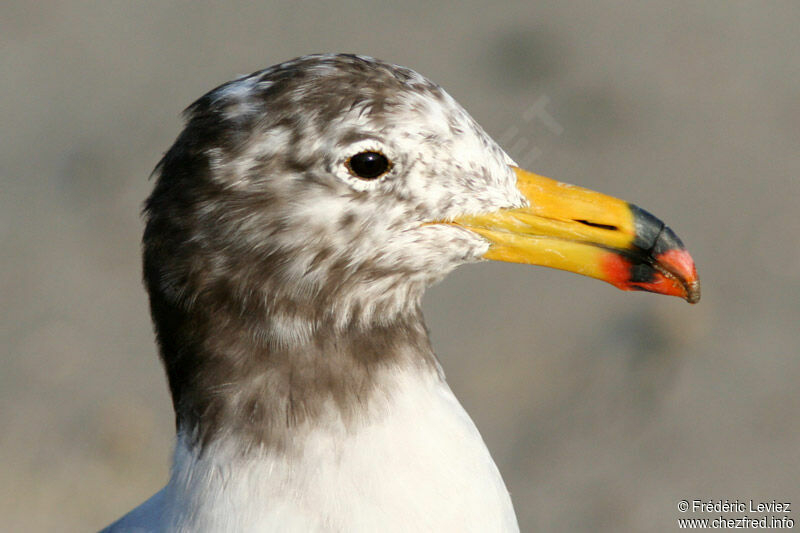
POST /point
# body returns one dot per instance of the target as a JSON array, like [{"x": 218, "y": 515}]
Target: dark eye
[{"x": 368, "y": 165}]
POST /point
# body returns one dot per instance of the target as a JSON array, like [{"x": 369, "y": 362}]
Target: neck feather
[{"x": 229, "y": 378}]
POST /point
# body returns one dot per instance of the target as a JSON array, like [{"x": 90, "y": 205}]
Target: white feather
[{"x": 418, "y": 465}]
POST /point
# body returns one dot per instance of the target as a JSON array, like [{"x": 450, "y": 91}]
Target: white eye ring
[
  {"x": 344, "y": 168},
  {"x": 369, "y": 165}
]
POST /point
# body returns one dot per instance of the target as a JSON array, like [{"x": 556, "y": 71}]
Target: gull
[{"x": 294, "y": 225}]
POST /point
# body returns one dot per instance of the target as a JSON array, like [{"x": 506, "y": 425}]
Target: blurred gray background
[{"x": 602, "y": 409}]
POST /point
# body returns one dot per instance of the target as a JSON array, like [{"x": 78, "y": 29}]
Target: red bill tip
[{"x": 672, "y": 273}]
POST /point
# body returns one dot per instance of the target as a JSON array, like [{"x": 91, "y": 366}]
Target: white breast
[{"x": 419, "y": 466}]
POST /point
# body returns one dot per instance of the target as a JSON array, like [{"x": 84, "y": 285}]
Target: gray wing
[{"x": 147, "y": 518}]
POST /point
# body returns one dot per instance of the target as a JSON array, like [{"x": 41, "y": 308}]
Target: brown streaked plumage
[
  {"x": 285, "y": 289},
  {"x": 219, "y": 280}
]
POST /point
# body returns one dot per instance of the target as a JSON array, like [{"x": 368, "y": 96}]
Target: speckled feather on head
[
  {"x": 276, "y": 273},
  {"x": 293, "y": 228}
]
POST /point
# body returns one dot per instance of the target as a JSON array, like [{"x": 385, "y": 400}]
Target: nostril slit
[{"x": 597, "y": 225}]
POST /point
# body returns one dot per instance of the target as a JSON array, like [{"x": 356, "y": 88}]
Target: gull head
[{"x": 335, "y": 188}]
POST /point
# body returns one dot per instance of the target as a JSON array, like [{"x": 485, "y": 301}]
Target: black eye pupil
[{"x": 369, "y": 165}]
